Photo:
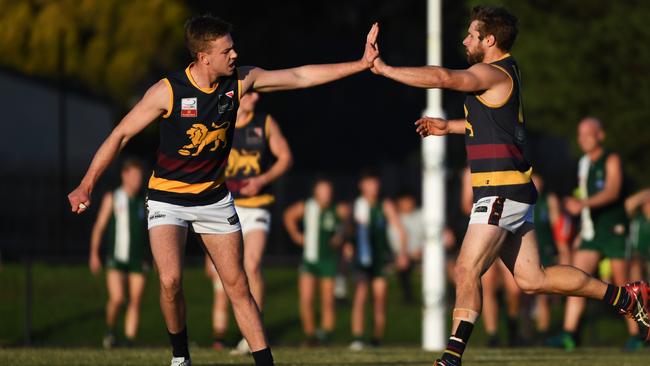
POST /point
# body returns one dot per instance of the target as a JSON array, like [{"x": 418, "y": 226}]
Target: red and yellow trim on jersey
[
  {"x": 257, "y": 201},
  {"x": 191, "y": 79},
  {"x": 502, "y": 178},
  {"x": 175, "y": 186},
  {"x": 170, "y": 103}
]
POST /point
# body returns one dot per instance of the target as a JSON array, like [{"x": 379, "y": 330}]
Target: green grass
[
  {"x": 68, "y": 311},
  {"x": 324, "y": 356}
]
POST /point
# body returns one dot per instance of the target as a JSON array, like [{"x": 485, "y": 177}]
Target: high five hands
[{"x": 371, "y": 52}]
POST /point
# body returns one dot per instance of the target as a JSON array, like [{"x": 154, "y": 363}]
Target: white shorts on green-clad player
[
  {"x": 216, "y": 218},
  {"x": 254, "y": 218},
  {"x": 501, "y": 212}
]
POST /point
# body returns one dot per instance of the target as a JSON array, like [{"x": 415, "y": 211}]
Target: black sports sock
[
  {"x": 617, "y": 297},
  {"x": 263, "y": 357},
  {"x": 179, "y": 343},
  {"x": 456, "y": 345}
]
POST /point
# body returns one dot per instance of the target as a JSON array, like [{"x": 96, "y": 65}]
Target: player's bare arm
[
  {"x": 292, "y": 216},
  {"x": 611, "y": 192},
  {"x": 393, "y": 220},
  {"x": 284, "y": 159},
  {"x": 426, "y": 126},
  {"x": 309, "y": 75},
  {"x": 103, "y": 217},
  {"x": 153, "y": 104},
  {"x": 635, "y": 201}
]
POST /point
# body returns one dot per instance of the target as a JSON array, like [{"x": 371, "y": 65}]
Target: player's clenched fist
[
  {"x": 426, "y": 126},
  {"x": 79, "y": 199}
]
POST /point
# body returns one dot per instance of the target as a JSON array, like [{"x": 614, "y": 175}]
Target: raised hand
[
  {"x": 426, "y": 126},
  {"x": 371, "y": 51}
]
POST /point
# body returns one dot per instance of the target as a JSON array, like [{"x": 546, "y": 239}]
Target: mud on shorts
[
  {"x": 501, "y": 212},
  {"x": 216, "y": 218},
  {"x": 254, "y": 218}
]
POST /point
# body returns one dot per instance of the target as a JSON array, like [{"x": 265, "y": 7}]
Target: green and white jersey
[
  {"x": 372, "y": 248},
  {"x": 639, "y": 237},
  {"x": 320, "y": 225},
  {"x": 608, "y": 220},
  {"x": 126, "y": 237}
]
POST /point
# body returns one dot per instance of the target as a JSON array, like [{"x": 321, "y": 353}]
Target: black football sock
[
  {"x": 456, "y": 345},
  {"x": 179, "y": 343},
  {"x": 618, "y": 298},
  {"x": 263, "y": 357}
]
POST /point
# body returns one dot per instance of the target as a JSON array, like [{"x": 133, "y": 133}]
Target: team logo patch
[
  {"x": 189, "y": 107},
  {"x": 230, "y": 94},
  {"x": 233, "y": 219},
  {"x": 225, "y": 102}
]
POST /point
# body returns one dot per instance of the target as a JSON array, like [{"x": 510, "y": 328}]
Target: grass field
[
  {"x": 68, "y": 312},
  {"x": 325, "y": 356}
]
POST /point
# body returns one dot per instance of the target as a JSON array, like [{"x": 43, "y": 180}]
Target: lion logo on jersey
[
  {"x": 200, "y": 137},
  {"x": 244, "y": 161}
]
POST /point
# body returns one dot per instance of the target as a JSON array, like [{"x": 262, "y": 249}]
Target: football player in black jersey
[
  {"x": 200, "y": 104},
  {"x": 504, "y": 196}
]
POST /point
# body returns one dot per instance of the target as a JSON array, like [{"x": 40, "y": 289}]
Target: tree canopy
[{"x": 109, "y": 46}]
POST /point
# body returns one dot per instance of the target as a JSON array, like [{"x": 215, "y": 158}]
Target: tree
[{"x": 110, "y": 45}]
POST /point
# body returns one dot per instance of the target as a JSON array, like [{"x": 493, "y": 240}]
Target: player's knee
[
  {"x": 170, "y": 285},
  {"x": 252, "y": 268},
  {"x": 116, "y": 300}
]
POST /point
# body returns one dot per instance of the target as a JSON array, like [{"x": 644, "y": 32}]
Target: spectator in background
[
  {"x": 372, "y": 216},
  {"x": 600, "y": 205},
  {"x": 122, "y": 225},
  {"x": 320, "y": 237},
  {"x": 637, "y": 207},
  {"x": 554, "y": 233},
  {"x": 411, "y": 218}
]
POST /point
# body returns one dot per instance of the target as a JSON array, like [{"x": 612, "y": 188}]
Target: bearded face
[
  {"x": 475, "y": 55},
  {"x": 473, "y": 43}
]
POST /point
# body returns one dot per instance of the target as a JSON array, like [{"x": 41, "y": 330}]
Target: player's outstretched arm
[
  {"x": 154, "y": 103},
  {"x": 426, "y": 126},
  {"x": 309, "y": 75},
  {"x": 476, "y": 78}
]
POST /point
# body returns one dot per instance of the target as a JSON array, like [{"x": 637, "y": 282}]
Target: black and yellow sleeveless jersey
[
  {"x": 494, "y": 139},
  {"x": 250, "y": 156},
  {"x": 195, "y": 139}
]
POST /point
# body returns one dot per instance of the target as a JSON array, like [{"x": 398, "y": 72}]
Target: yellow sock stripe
[
  {"x": 618, "y": 295},
  {"x": 453, "y": 353}
]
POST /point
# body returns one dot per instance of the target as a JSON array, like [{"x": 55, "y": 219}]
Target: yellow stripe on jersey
[
  {"x": 512, "y": 87},
  {"x": 175, "y": 186},
  {"x": 257, "y": 201},
  {"x": 502, "y": 178},
  {"x": 171, "y": 99}
]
